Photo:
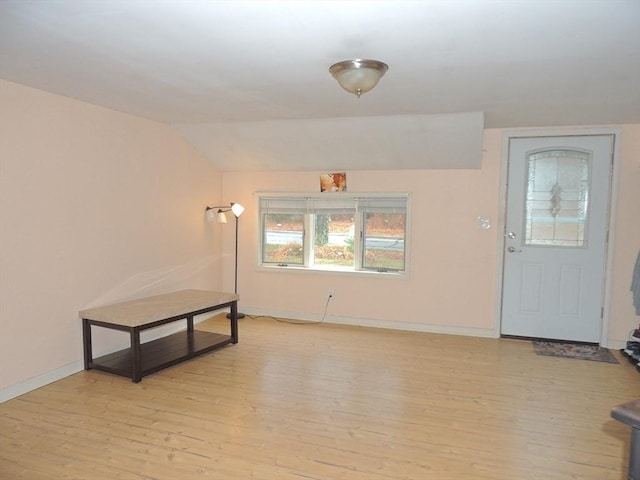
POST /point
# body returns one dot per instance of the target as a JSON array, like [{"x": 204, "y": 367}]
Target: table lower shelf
[{"x": 162, "y": 353}]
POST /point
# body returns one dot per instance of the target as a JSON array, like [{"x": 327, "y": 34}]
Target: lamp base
[{"x": 240, "y": 315}]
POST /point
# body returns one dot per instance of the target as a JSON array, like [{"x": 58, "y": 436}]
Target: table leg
[
  {"x": 136, "y": 357},
  {"x": 190, "y": 324},
  {"x": 86, "y": 342},
  {"x": 234, "y": 322}
]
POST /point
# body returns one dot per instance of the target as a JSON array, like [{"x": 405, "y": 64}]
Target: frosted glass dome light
[{"x": 358, "y": 76}]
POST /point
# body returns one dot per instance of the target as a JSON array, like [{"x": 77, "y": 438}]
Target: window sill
[{"x": 332, "y": 271}]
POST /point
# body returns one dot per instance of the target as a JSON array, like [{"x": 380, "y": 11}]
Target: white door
[{"x": 555, "y": 238}]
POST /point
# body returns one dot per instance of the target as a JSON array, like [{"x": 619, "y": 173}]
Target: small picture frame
[{"x": 333, "y": 182}]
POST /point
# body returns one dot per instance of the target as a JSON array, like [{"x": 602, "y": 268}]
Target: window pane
[
  {"x": 384, "y": 241},
  {"x": 557, "y": 198},
  {"x": 333, "y": 242},
  {"x": 283, "y": 238},
  {"x": 317, "y": 231}
]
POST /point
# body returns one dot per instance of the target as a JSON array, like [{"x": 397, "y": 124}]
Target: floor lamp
[{"x": 217, "y": 214}]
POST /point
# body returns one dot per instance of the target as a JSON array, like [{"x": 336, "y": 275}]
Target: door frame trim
[{"x": 507, "y": 135}]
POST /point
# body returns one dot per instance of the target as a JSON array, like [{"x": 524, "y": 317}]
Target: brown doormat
[{"x": 579, "y": 351}]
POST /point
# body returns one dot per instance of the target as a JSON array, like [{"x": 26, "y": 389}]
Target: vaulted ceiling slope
[{"x": 247, "y": 82}]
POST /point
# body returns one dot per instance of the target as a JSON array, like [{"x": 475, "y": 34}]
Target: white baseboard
[
  {"x": 59, "y": 373},
  {"x": 615, "y": 344},
  {"x": 367, "y": 322},
  {"x": 30, "y": 384},
  {"x": 395, "y": 325}
]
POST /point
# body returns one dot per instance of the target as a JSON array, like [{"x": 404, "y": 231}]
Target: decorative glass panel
[{"x": 557, "y": 194}]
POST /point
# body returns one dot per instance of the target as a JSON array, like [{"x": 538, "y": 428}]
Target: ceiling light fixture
[{"x": 358, "y": 76}]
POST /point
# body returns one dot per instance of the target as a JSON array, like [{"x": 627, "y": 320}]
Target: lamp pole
[
  {"x": 235, "y": 275},
  {"x": 220, "y": 217}
]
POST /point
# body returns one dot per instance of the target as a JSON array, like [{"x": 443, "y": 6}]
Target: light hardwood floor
[{"x": 330, "y": 402}]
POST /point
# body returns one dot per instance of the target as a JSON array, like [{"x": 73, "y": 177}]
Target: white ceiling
[{"x": 247, "y": 82}]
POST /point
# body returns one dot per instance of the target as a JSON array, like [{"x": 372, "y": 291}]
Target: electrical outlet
[{"x": 331, "y": 293}]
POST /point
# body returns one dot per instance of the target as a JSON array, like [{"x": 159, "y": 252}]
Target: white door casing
[{"x": 558, "y": 197}]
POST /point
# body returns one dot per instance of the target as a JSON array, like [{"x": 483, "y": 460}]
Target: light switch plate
[{"x": 484, "y": 223}]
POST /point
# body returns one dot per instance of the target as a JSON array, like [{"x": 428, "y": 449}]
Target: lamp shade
[
  {"x": 217, "y": 213},
  {"x": 237, "y": 209},
  {"x": 358, "y": 76}
]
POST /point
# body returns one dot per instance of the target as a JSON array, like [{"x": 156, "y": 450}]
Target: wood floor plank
[{"x": 330, "y": 402}]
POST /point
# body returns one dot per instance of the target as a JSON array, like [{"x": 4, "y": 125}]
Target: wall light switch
[{"x": 484, "y": 223}]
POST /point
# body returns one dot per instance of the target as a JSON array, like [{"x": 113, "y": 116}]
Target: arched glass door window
[{"x": 557, "y": 198}]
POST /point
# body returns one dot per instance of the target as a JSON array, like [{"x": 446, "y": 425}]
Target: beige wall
[
  {"x": 452, "y": 286},
  {"x": 95, "y": 207},
  {"x": 626, "y": 236}
]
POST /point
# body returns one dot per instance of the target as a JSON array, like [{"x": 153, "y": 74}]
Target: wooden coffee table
[{"x": 135, "y": 316}]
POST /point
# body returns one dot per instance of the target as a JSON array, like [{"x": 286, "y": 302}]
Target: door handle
[{"x": 513, "y": 250}]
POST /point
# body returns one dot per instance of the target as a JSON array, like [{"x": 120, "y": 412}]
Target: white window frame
[{"x": 305, "y": 204}]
